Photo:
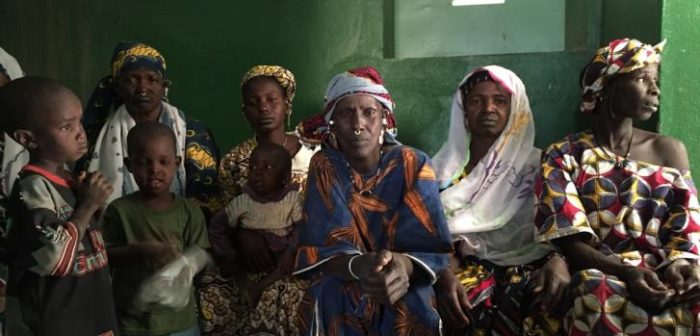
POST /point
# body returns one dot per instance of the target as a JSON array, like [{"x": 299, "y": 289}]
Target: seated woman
[
  {"x": 267, "y": 92},
  {"x": 13, "y": 157},
  {"x": 375, "y": 236},
  {"x": 136, "y": 91},
  {"x": 500, "y": 276},
  {"x": 620, "y": 203}
]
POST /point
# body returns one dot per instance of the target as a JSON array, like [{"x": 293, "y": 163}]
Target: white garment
[
  {"x": 14, "y": 155},
  {"x": 273, "y": 217},
  {"x": 110, "y": 150},
  {"x": 492, "y": 208}
]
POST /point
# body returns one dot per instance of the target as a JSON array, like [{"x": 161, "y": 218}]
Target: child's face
[
  {"x": 266, "y": 175},
  {"x": 153, "y": 165},
  {"x": 60, "y": 136}
]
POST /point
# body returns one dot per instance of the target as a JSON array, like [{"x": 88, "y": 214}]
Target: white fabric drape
[{"x": 492, "y": 208}]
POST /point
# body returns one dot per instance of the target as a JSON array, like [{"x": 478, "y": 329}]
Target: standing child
[
  {"x": 147, "y": 229},
  {"x": 58, "y": 282},
  {"x": 269, "y": 203}
]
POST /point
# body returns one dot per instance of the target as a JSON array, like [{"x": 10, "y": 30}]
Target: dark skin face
[
  {"x": 636, "y": 94},
  {"x": 265, "y": 104},
  {"x": 153, "y": 164},
  {"x": 142, "y": 91},
  {"x": 58, "y": 136},
  {"x": 266, "y": 175},
  {"x": 361, "y": 113},
  {"x": 486, "y": 109}
]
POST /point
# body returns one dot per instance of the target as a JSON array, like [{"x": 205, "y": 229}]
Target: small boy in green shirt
[{"x": 147, "y": 229}]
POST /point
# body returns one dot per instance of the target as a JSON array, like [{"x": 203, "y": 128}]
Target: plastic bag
[{"x": 171, "y": 286}]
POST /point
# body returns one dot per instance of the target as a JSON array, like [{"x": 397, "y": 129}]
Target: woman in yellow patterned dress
[{"x": 268, "y": 91}]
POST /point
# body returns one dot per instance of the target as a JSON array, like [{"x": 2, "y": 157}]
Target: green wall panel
[
  {"x": 680, "y": 73},
  {"x": 427, "y": 28}
]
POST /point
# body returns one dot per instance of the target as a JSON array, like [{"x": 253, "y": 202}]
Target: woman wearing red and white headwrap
[{"x": 375, "y": 237}]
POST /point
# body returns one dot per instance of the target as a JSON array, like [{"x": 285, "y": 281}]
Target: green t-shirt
[{"x": 126, "y": 221}]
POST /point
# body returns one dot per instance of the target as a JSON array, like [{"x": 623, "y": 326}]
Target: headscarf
[
  {"x": 9, "y": 66},
  {"x": 496, "y": 197},
  {"x": 14, "y": 155},
  {"x": 364, "y": 80},
  {"x": 284, "y": 77},
  {"x": 619, "y": 57},
  {"x": 127, "y": 56},
  {"x": 130, "y": 55}
]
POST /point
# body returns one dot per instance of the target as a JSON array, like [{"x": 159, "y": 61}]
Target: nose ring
[{"x": 357, "y": 131}]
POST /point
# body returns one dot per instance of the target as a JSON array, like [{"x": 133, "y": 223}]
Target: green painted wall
[
  {"x": 631, "y": 18},
  {"x": 680, "y": 73},
  {"x": 640, "y": 19},
  {"x": 208, "y": 47}
]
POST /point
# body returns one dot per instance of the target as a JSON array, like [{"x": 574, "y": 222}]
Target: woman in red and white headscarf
[{"x": 375, "y": 237}]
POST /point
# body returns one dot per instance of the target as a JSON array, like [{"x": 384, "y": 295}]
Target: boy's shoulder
[
  {"x": 187, "y": 203},
  {"x": 38, "y": 191}
]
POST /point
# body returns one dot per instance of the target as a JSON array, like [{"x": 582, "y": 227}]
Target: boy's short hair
[
  {"x": 147, "y": 131},
  {"x": 26, "y": 100},
  {"x": 278, "y": 152}
]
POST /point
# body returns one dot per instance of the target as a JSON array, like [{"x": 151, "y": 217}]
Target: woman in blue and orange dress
[{"x": 620, "y": 203}]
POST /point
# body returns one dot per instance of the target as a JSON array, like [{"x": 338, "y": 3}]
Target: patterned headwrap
[
  {"x": 619, "y": 57},
  {"x": 365, "y": 80},
  {"x": 131, "y": 55},
  {"x": 283, "y": 76}
]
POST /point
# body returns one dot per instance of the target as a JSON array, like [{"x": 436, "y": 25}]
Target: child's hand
[
  {"x": 159, "y": 254},
  {"x": 93, "y": 189}
]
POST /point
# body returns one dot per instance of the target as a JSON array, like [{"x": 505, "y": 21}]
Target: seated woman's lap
[
  {"x": 348, "y": 308},
  {"x": 602, "y": 306}
]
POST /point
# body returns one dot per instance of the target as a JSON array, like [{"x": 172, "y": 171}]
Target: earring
[
  {"x": 384, "y": 122},
  {"x": 289, "y": 114},
  {"x": 381, "y": 137},
  {"x": 331, "y": 123},
  {"x": 333, "y": 140}
]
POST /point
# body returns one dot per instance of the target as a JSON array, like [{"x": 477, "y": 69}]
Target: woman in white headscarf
[
  {"x": 486, "y": 171},
  {"x": 14, "y": 157}
]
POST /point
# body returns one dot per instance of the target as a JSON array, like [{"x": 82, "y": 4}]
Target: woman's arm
[{"x": 644, "y": 285}]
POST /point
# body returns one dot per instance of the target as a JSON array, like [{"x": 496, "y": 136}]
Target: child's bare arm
[{"x": 220, "y": 238}]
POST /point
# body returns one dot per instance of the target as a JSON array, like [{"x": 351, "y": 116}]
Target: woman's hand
[
  {"x": 551, "y": 282},
  {"x": 452, "y": 301},
  {"x": 645, "y": 288},
  {"x": 253, "y": 251},
  {"x": 684, "y": 278},
  {"x": 384, "y": 276}
]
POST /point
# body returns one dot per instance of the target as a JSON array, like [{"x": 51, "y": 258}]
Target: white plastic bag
[{"x": 171, "y": 286}]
